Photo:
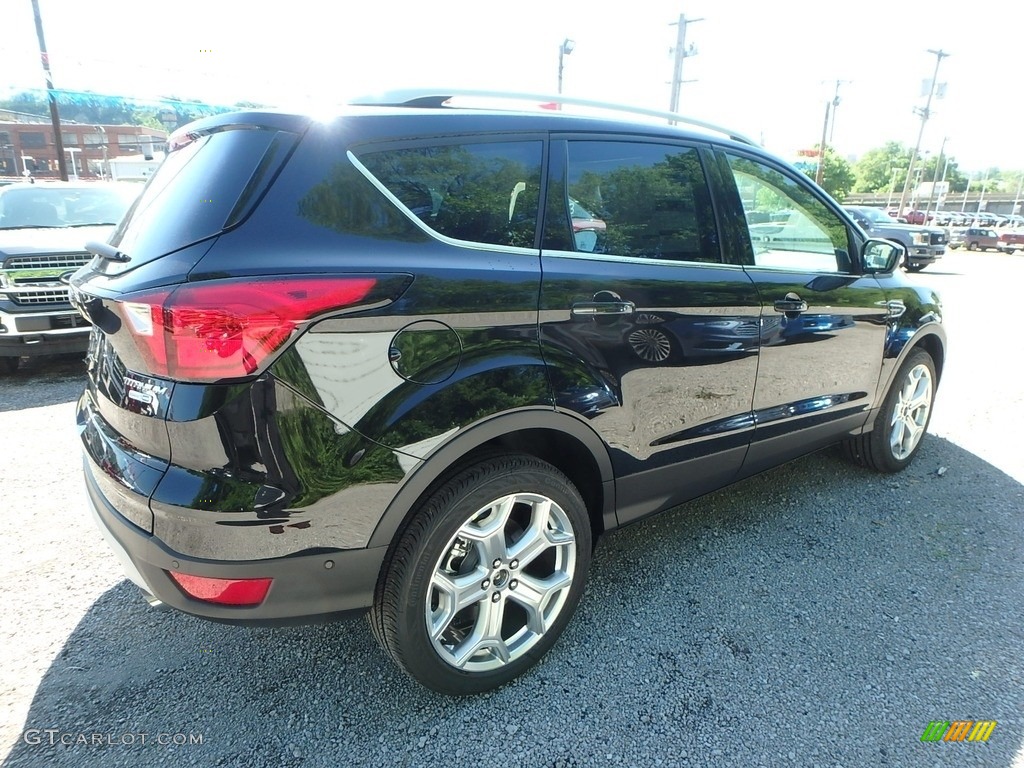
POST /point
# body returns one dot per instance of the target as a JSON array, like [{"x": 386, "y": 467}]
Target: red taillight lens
[
  {"x": 222, "y": 591},
  {"x": 226, "y": 329}
]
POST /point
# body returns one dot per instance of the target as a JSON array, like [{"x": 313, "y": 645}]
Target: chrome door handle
[{"x": 592, "y": 308}]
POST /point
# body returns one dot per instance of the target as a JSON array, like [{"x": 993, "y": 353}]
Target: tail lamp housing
[{"x": 226, "y": 329}]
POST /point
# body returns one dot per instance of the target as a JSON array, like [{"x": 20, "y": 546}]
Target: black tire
[
  {"x": 8, "y": 365},
  {"x": 972, "y": 246},
  {"x": 436, "y": 548},
  {"x": 876, "y": 449}
]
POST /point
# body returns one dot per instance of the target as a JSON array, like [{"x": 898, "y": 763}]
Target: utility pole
[
  {"x": 925, "y": 114},
  {"x": 819, "y": 175},
  {"x": 829, "y": 106},
  {"x": 54, "y": 114},
  {"x": 681, "y": 53}
]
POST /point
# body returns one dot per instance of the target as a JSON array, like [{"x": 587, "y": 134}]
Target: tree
[
  {"x": 957, "y": 180},
  {"x": 837, "y": 176},
  {"x": 874, "y": 171}
]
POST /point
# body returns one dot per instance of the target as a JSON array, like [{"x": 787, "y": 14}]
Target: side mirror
[{"x": 882, "y": 255}]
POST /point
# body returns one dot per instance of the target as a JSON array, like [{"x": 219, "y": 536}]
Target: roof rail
[{"x": 437, "y": 97}]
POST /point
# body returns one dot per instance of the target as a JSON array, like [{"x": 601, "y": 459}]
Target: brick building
[{"x": 26, "y": 141}]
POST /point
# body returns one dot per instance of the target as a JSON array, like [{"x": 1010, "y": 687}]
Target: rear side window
[
  {"x": 483, "y": 193},
  {"x": 201, "y": 189},
  {"x": 640, "y": 199}
]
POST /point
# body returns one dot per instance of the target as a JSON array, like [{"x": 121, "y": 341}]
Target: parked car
[
  {"x": 362, "y": 365},
  {"x": 917, "y": 217},
  {"x": 586, "y": 227},
  {"x": 44, "y": 226},
  {"x": 924, "y": 245},
  {"x": 980, "y": 238}
]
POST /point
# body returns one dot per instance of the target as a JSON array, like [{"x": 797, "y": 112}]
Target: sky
[{"x": 764, "y": 69}]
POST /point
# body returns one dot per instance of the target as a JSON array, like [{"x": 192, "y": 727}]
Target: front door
[{"x": 823, "y": 324}]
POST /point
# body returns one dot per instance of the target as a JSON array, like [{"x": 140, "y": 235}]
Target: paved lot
[{"x": 816, "y": 615}]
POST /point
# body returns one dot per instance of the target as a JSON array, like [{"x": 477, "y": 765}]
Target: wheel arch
[
  {"x": 565, "y": 441},
  {"x": 932, "y": 339}
]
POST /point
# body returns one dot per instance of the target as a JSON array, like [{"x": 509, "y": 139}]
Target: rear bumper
[{"x": 305, "y": 588}]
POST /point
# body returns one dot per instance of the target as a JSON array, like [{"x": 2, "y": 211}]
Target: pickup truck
[
  {"x": 924, "y": 245},
  {"x": 1011, "y": 240},
  {"x": 43, "y": 230}
]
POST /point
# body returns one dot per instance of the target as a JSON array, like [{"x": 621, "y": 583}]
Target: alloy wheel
[
  {"x": 910, "y": 412},
  {"x": 501, "y": 582}
]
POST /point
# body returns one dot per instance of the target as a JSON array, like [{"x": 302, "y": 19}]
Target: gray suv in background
[{"x": 924, "y": 245}]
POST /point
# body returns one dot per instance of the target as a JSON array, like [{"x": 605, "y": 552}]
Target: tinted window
[
  {"x": 200, "y": 189},
  {"x": 789, "y": 226},
  {"x": 641, "y": 200},
  {"x": 484, "y": 193}
]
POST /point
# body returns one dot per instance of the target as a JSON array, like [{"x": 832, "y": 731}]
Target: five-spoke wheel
[
  {"x": 500, "y": 582},
  {"x": 486, "y": 575}
]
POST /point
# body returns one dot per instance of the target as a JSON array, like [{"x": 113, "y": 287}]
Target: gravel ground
[{"x": 816, "y": 615}]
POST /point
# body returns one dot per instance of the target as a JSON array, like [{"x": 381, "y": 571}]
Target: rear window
[
  {"x": 483, "y": 193},
  {"x": 201, "y": 189}
]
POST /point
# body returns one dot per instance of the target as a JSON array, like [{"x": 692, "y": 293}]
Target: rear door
[{"x": 646, "y": 332}]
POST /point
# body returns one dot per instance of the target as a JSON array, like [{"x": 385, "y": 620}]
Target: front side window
[
  {"x": 640, "y": 200},
  {"x": 482, "y": 193},
  {"x": 790, "y": 228}
]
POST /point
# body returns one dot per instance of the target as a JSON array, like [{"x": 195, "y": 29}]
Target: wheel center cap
[{"x": 500, "y": 579}]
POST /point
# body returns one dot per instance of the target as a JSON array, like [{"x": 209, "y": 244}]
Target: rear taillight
[
  {"x": 227, "y": 329},
  {"x": 222, "y": 591}
]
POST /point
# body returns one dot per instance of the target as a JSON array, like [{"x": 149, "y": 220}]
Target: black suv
[{"x": 370, "y": 363}]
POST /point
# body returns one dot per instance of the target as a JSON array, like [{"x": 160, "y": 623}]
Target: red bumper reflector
[{"x": 222, "y": 591}]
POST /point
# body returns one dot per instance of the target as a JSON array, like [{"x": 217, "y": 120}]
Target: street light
[
  {"x": 564, "y": 50},
  {"x": 74, "y": 167},
  {"x": 892, "y": 186}
]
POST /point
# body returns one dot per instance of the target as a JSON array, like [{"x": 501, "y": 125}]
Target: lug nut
[
  {"x": 514, "y": 564},
  {"x": 497, "y": 564},
  {"x": 513, "y": 584},
  {"x": 496, "y": 597},
  {"x": 486, "y": 584}
]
